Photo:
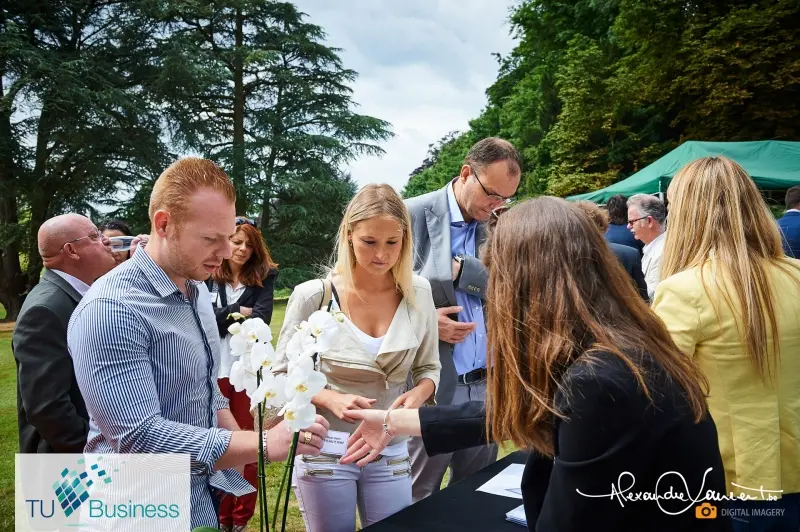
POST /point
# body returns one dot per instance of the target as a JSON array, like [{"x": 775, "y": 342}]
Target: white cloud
[{"x": 423, "y": 65}]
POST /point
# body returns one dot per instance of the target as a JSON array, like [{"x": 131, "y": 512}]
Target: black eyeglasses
[
  {"x": 631, "y": 222},
  {"x": 241, "y": 220},
  {"x": 492, "y": 196}
]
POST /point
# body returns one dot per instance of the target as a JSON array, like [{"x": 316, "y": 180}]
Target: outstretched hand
[{"x": 369, "y": 439}]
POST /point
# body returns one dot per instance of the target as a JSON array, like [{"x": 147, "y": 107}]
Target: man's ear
[
  {"x": 71, "y": 252},
  {"x": 161, "y": 219},
  {"x": 466, "y": 171}
]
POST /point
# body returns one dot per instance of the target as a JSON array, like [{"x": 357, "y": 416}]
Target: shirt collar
[
  {"x": 157, "y": 276},
  {"x": 656, "y": 241},
  {"x": 455, "y": 211},
  {"x": 792, "y": 210},
  {"x": 74, "y": 282}
]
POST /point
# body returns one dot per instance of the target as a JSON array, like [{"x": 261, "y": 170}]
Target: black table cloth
[{"x": 460, "y": 507}]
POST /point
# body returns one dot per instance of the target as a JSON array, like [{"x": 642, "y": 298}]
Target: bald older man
[{"x": 51, "y": 414}]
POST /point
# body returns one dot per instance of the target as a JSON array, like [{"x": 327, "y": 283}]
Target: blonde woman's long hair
[
  {"x": 376, "y": 201},
  {"x": 717, "y": 216}
]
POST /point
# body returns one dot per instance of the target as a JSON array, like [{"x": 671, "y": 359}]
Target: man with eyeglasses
[
  {"x": 448, "y": 227},
  {"x": 647, "y": 220},
  {"x": 51, "y": 413}
]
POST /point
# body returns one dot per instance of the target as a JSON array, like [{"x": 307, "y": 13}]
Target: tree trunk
[
  {"x": 12, "y": 280},
  {"x": 239, "y": 167},
  {"x": 267, "y": 196}
]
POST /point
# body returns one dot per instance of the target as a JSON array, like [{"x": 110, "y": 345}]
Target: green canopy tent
[{"x": 773, "y": 165}]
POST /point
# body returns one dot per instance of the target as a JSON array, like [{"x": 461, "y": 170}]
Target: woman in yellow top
[{"x": 731, "y": 300}]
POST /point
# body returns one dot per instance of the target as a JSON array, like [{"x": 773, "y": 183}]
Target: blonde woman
[
  {"x": 731, "y": 300},
  {"x": 390, "y": 332}
]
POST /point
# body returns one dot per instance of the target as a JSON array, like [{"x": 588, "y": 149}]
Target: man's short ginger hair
[
  {"x": 182, "y": 179},
  {"x": 597, "y": 215}
]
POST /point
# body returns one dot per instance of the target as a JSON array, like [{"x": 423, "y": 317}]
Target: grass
[
  {"x": 9, "y": 443},
  {"x": 9, "y": 440}
]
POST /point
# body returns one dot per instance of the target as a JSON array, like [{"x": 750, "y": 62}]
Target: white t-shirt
[
  {"x": 225, "y": 358},
  {"x": 371, "y": 344}
]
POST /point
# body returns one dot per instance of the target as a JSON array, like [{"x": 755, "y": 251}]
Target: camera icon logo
[{"x": 706, "y": 511}]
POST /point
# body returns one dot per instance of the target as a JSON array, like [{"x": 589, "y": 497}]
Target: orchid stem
[
  {"x": 263, "y": 505},
  {"x": 290, "y": 462},
  {"x": 286, "y": 471}
]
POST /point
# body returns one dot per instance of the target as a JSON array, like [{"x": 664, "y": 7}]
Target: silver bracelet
[
  {"x": 264, "y": 445},
  {"x": 386, "y": 424}
]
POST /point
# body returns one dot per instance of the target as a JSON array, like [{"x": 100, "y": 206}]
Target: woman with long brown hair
[
  {"x": 730, "y": 298},
  {"x": 244, "y": 283},
  {"x": 586, "y": 376}
]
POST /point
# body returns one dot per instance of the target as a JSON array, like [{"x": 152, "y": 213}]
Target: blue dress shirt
[{"x": 471, "y": 353}]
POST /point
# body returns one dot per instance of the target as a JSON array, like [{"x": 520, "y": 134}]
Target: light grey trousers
[{"x": 427, "y": 472}]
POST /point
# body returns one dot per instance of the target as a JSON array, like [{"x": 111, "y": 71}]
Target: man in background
[
  {"x": 618, "y": 232},
  {"x": 647, "y": 219},
  {"x": 790, "y": 223},
  {"x": 448, "y": 230},
  {"x": 627, "y": 256},
  {"x": 51, "y": 414}
]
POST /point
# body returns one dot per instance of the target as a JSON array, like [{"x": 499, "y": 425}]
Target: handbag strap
[{"x": 327, "y": 294}]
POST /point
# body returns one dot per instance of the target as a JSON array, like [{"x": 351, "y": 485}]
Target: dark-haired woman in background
[
  {"x": 584, "y": 374},
  {"x": 245, "y": 283},
  {"x": 113, "y": 228}
]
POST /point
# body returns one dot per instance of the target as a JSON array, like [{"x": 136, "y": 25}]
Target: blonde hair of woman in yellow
[{"x": 731, "y": 299}]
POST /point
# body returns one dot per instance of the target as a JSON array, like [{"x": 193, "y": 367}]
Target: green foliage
[
  {"x": 596, "y": 90},
  {"x": 78, "y": 122},
  {"x": 93, "y": 95},
  {"x": 443, "y": 163}
]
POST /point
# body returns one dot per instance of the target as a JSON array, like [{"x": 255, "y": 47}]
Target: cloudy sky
[{"x": 423, "y": 65}]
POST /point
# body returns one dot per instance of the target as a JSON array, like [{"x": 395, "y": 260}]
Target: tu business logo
[
  {"x": 72, "y": 489},
  {"x": 93, "y": 491}
]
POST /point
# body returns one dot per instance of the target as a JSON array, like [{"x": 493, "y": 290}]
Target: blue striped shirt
[{"x": 146, "y": 359}]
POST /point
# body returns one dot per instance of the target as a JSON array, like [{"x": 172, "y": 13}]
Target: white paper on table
[{"x": 506, "y": 483}]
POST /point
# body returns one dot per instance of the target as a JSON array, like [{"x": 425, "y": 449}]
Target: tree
[
  {"x": 282, "y": 109},
  {"x": 75, "y": 122},
  {"x": 596, "y": 90},
  {"x": 442, "y": 164}
]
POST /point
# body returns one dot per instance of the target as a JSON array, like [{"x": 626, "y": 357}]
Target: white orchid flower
[
  {"x": 303, "y": 382},
  {"x": 235, "y": 328},
  {"x": 242, "y": 378},
  {"x": 262, "y": 357},
  {"x": 301, "y": 344},
  {"x": 271, "y": 391},
  {"x": 255, "y": 330},
  {"x": 239, "y": 345},
  {"x": 298, "y": 414},
  {"x": 323, "y": 327}
]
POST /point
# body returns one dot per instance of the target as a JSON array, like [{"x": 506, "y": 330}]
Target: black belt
[{"x": 471, "y": 377}]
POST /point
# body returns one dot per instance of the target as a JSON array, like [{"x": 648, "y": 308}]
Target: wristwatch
[{"x": 460, "y": 260}]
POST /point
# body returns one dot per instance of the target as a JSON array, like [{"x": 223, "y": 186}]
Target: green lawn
[{"x": 9, "y": 440}]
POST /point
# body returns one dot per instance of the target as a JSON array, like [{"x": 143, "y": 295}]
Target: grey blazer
[
  {"x": 51, "y": 414},
  {"x": 430, "y": 228}
]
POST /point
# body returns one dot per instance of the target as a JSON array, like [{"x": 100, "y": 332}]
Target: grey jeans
[
  {"x": 329, "y": 492},
  {"x": 427, "y": 472}
]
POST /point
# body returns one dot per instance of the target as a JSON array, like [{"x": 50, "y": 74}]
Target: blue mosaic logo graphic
[{"x": 73, "y": 488}]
